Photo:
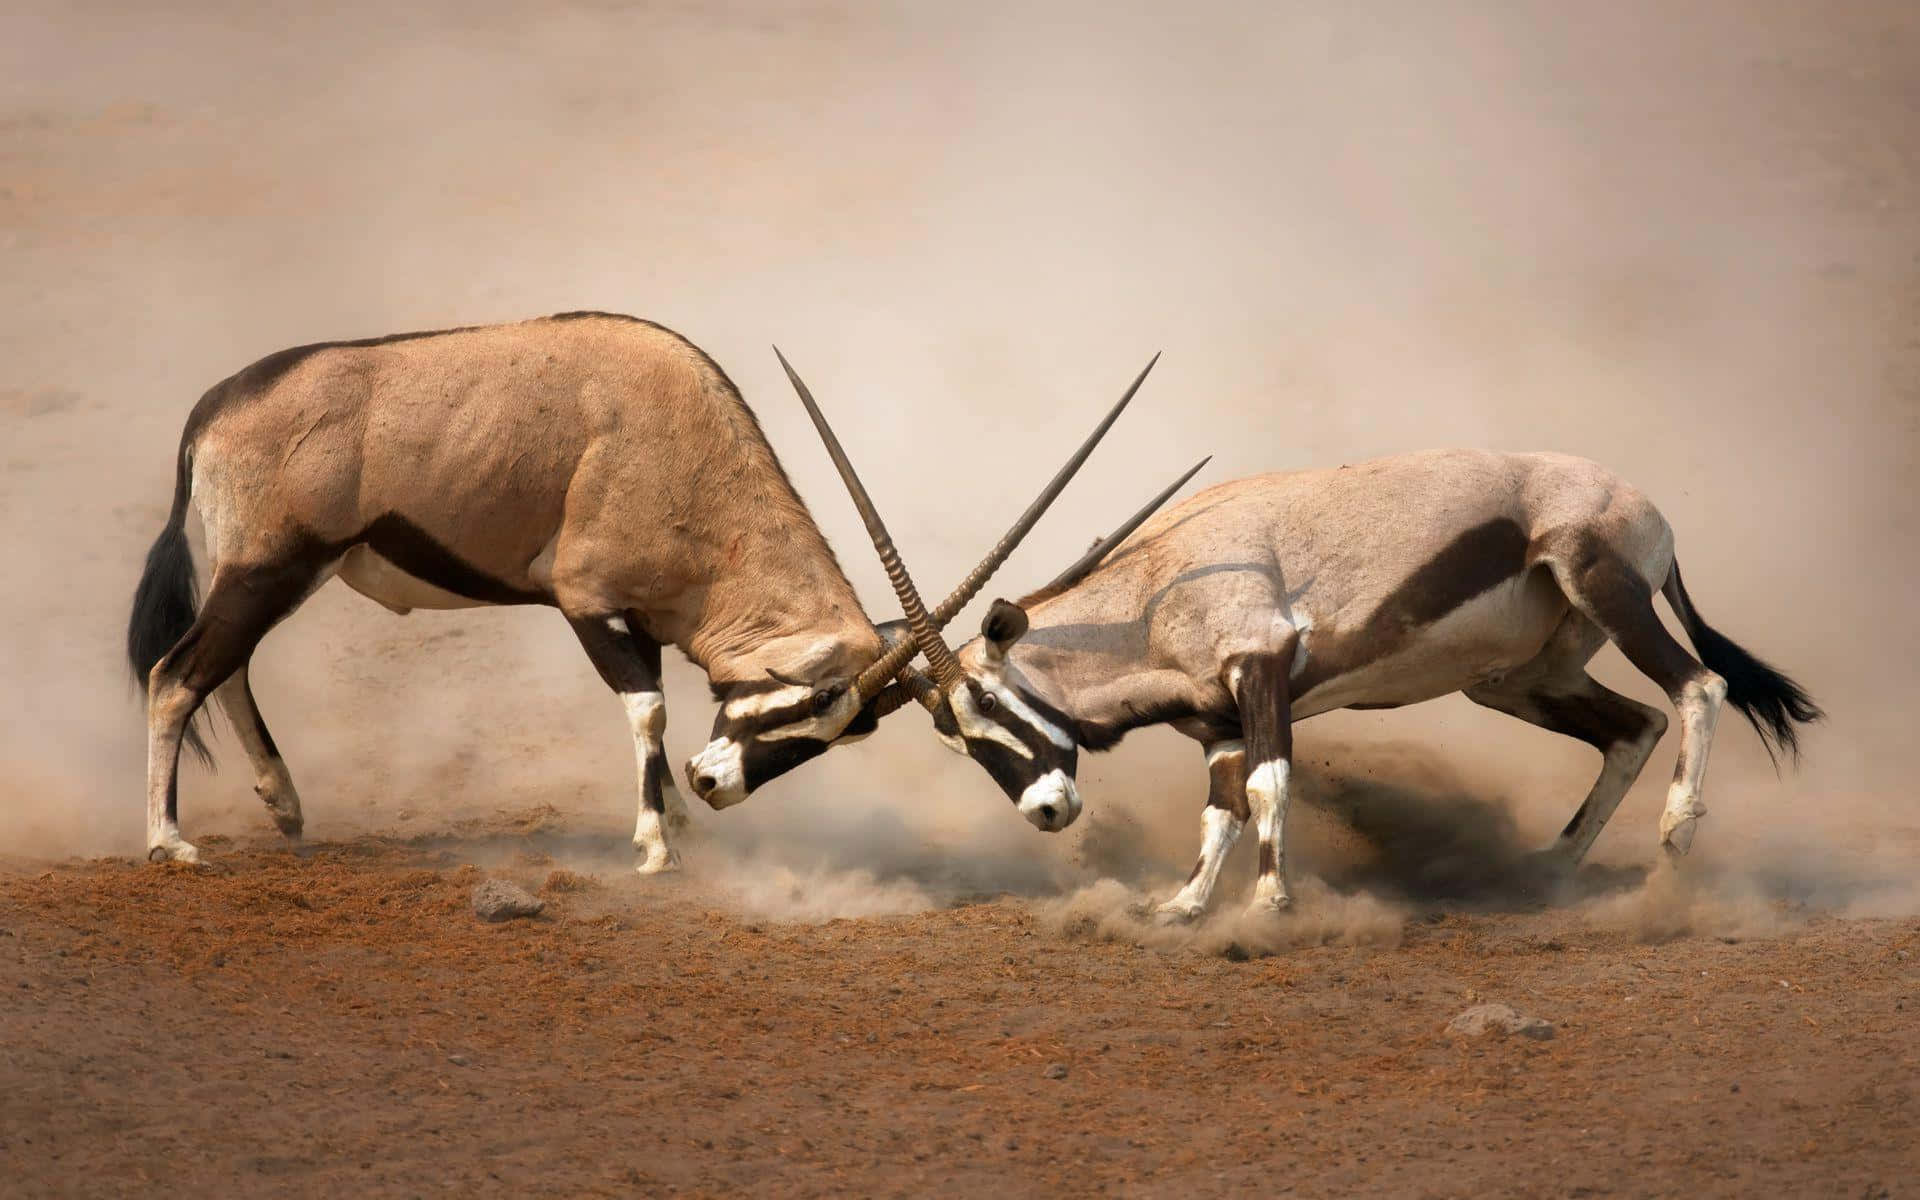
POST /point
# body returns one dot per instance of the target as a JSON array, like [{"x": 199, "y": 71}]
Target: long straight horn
[
  {"x": 946, "y": 668},
  {"x": 971, "y": 585},
  {"x": 1092, "y": 558},
  {"x": 910, "y": 687}
]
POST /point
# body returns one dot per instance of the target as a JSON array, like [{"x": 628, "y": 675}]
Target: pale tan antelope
[
  {"x": 1264, "y": 601},
  {"x": 598, "y": 464}
]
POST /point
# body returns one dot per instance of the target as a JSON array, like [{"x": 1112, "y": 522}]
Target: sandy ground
[{"x": 305, "y": 1025}]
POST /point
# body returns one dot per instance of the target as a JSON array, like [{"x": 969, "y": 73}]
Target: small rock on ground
[
  {"x": 1483, "y": 1019},
  {"x": 1056, "y": 1071},
  {"x": 498, "y": 900}
]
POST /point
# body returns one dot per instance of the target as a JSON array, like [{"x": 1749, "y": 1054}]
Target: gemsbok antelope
[
  {"x": 595, "y": 463},
  {"x": 1266, "y": 600}
]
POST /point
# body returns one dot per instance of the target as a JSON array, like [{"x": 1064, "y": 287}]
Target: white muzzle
[
  {"x": 1051, "y": 802},
  {"x": 718, "y": 774}
]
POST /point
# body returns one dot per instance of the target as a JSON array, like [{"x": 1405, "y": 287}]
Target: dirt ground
[{"x": 282, "y": 1024}]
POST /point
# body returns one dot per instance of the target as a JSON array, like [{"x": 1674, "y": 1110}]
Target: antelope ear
[{"x": 1002, "y": 627}]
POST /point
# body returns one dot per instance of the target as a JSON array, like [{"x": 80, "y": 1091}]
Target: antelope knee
[
  {"x": 1267, "y": 785},
  {"x": 1706, "y": 690},
  {"x": 647, "y": 712}
]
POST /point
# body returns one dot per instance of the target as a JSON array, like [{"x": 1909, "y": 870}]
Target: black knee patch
[
  {"x": 654, "y": 796},
  {"x": 1227, "y": 786}
]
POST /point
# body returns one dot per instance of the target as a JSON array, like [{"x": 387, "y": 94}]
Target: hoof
[
  {"x": 1267, "y": 907},
  {"x": 1176, "y": 912},
  {"x": 1677, "y": 821},
  {"x": 180, "y": 852},
  {"x": 1678, "y": 838},
  {"x": 657, "y": 860},
  {"x": 284, "y": 808}
]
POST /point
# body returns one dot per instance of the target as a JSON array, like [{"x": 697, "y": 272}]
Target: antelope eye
[
  {"x": 822, "y": 701},
  {"x": 988, "y": 702}
]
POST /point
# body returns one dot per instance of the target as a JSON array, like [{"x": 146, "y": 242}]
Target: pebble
[
  {"x": 1055, "y": 1071},
  {"x": 498, "y": 900},
  {"x": 1483, "y": 1019}
]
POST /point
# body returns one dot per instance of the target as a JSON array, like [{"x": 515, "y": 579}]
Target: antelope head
[
  {"x": 769, "y": 725},
  {"x": 1020, "y": 734}
]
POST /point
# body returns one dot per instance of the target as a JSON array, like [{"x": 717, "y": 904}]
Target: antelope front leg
[
  {"x": 647, "y": 714},
  {"x": 1220, "y": 824},
  {"x": 630, "y": 663},
  {"x": 1267, "y": 720}
]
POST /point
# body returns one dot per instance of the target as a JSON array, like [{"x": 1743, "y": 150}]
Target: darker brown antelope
[
  {"x": 598, "y": 464},
  {"x": 1264, "y": 601}
]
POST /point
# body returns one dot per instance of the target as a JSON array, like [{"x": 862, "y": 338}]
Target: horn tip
[{"x": 1141, "y": 377}]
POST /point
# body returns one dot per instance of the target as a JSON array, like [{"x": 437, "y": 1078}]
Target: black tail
[
  {"x": 166, "y": 601},
  {"x": 1773, "y": 703}
]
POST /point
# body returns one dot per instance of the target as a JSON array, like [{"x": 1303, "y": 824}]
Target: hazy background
[{"x": 1679, "y": 239}]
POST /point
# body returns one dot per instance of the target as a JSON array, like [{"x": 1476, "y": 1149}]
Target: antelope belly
[
  {"x": 385, "y": 584},
  {"x": 1481, "y": 640}
]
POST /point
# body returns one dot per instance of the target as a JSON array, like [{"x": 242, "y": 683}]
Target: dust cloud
[
  {"x": 1676, "y": 239},
  {"x": 1110, "y": 911}
]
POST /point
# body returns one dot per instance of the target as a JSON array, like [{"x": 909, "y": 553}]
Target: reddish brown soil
[{"x": 284, "y": 1025}]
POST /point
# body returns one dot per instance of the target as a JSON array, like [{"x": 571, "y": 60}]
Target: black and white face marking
[
  {"x": 1024, "y": 743},
  {"x": 765, "y": 729}
]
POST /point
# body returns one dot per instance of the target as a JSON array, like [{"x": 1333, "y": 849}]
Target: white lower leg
[
  {"x": 650, "y": 841},
  {"x": 166, "y": 722},
  {"x": 647, "y": 715},
  {"x": 1218, "y": 831},
  {"x": 1699, "y": 706},
  {"x": 1267, "y": 789}
]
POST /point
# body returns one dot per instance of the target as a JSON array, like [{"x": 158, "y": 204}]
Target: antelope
[
  {"x": 594, "y": 463},
  {"x": 1264, "y": 601}
]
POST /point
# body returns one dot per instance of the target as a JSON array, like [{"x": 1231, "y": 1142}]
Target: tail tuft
[
  {"x": 1772, "y": 703},
  {"x": 166, "y": 603}
]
